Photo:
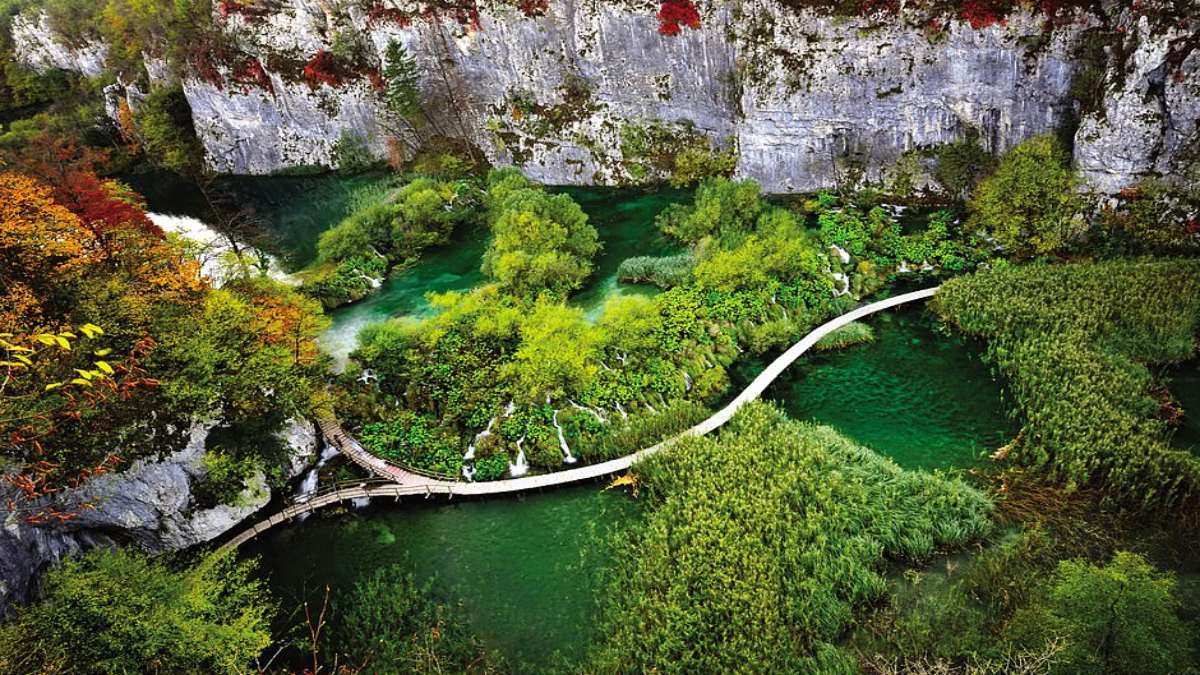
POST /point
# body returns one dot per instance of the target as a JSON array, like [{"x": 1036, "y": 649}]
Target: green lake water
[
  {"x": 1185, "y": 386},
  {"x": 921, "y": 397},
  {"x": 522, "y": 570},
  {"x": 624, "y": 220}
]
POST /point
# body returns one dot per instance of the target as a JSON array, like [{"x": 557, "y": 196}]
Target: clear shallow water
[
  {"x": 920, "y": 397},
  {"x": 294, "y": 210},
  {"x": 523, "y": 569},
  {"x": 624, "y": 220}
]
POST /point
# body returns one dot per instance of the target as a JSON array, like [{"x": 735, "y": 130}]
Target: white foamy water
[{"x": 214, "y": 251}]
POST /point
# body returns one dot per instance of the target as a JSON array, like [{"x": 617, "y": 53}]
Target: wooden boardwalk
[{"x": 393, "y": 481}]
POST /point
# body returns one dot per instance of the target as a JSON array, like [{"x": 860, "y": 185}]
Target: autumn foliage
[
  {"x": 673, "y": 15},
  {"x": 324, "y": 68}
]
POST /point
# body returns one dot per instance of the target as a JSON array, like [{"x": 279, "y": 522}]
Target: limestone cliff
[{"x": 574, "y": 93}]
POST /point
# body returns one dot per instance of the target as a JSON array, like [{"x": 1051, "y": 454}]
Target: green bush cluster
[
  {"x": 117, "y": 611},
  {"x": 1016, "y": 607},
  {"x": 760, "y": 544},
  {"x": 387, "y": 227},
  {"x": 1074, "y": 342},
  {"x": 414, "y": 440},
  {"x": 1031, "y": 204},
  {"x": 540, "y": 242}
]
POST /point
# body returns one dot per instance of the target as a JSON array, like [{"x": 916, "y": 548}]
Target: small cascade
[
  {"x": 521, "y": 467},
  {"x": 845, "y": 280},
  {"x": 360, "y": 503},
  {"x": 599, "y": 415},
  {"x": 624, "y": 415},
  {"x": 308, "y": 484},
  {"x": 468, "y": 470},
  {"x": 842, "y": 253},
  {"x": 470, "y": 454},
  {"x": 687, "y": 381},
  {"x": 568, "y": 458},
  {"x": 214, "y": 249}
]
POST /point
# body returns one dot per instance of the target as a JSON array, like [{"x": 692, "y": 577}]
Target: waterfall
[
  {"x": 624, "y": 415},
  {"x": 470, "y": 454},
  {"x": 599, "y": 415},
  {"x": 568, "y": 458},
  {"x": 468, "y": 470},
  {"x": 687, "y": 382},
  {"x": 842, "y": 253},
  {"x": 213, "y": 250},
  {"x": 521, "y": 467},
  {"x": 308, "y": 484}
]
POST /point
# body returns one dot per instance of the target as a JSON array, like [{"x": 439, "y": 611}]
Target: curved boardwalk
[{"x": 398, "y": 482}]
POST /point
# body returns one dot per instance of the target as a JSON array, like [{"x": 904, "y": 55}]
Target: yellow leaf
[
  {"x": 81, "y": 381},
  {"x": 23, "y": 359},
  {"x": 46, "y": 339},
  {"x": 62, "y": 342},
  {"x": 68, "y": 335},
  {"x": 103, "y": 352},
  {"x": 102, "y": 365},
  {"x": 91, "y": 329},
  {"x": 53, "y": 385},
  {"x": 12, "y": 364}
]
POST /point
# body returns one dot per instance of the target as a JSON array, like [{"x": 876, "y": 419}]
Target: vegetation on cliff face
[{"x": 84, "y": 253}]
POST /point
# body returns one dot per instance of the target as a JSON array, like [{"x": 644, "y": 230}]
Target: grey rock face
[
  {"x": 1149, "y": 116},
  {"x": 801, "y": 97},
  {"x": 38, "y": 48},
  {"x": 150, "y": 505}
]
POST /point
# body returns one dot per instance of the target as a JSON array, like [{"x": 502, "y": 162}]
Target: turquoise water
[
  {"x": 523, "y": 569},
  {"x": 624, "y": 219},
  {"x": 923, "y": 398}
]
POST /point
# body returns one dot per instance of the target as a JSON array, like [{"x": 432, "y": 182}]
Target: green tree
[
  {"x": 557, "y": 352},
  {"x": 1031, "y": 205},
  {"x": 164, "y": 122},
  {"x": 724, "y": 210},
  {"x": 121, "y": 612},
  {"x": 1119, "y": 619},
  {"x": 540, "y": 243}
]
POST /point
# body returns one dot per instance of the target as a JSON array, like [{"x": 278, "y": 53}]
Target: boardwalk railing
[{"x": 394, "y": 481}]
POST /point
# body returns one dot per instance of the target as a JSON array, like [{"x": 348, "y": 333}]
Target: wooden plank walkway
[{"x": 397, "y": 482}]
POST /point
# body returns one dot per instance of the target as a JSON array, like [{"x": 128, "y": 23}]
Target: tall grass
[
  {"x": 1074, "y": 341},
  {"x": 759, "y": 545}
]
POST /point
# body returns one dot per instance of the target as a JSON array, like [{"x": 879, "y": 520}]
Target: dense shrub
[
  {"x": 1121, "y": 618},
  {"x": 411, "y": 439},
  {"x": 348, "y": 281},
  {"x": 1030, "y": 204},
  {"x": 539, "y": 242},
  {"x": 1073, "y": 342},
  {"x": 759, "y": 545},
  {"x": 116, "y": 611},
  {"x": 351, "y": 154}
]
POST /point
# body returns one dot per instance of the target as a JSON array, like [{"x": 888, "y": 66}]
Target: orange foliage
[{"x": 42, "y": 245}]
